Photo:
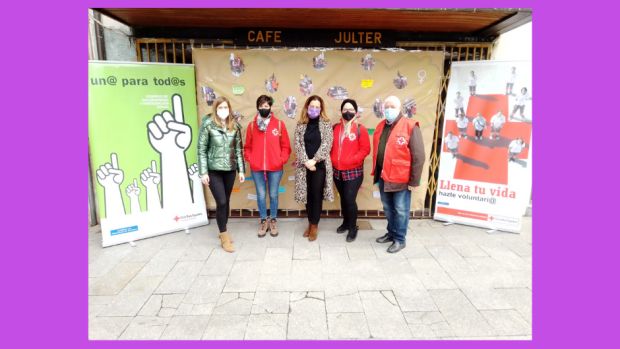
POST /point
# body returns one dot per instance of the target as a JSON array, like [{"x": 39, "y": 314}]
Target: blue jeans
[
  {"x": 273, "y": 180},
  {"x": 396, "y": 206}
]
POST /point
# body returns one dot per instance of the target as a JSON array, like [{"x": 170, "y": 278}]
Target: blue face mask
[{"x": 391, "y": 114}]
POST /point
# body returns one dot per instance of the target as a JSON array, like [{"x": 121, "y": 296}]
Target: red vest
[{"x": 397, "y": 157}]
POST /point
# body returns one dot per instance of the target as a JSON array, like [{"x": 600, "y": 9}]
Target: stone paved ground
[{"x": 451, "y": 282}]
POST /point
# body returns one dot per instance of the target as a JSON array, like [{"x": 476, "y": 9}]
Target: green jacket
[{"x": 218, "y": 148}]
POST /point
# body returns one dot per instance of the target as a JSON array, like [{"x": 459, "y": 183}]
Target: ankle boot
[
  {"x": 307, "y": 231},
  {"x": 314, "y": 232},
  {"x": 226, "y": 242}
]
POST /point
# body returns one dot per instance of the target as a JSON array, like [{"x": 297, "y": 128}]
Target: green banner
[{"x": 142, "y": 138}]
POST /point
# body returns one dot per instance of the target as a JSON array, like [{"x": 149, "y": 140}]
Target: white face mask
[{"x": 223, "y": 113}]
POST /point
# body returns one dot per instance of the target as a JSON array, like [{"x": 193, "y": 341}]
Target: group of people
[{"x": 326, "y": 155}]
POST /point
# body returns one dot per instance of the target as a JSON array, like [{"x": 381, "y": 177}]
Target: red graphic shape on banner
[
  {"x": 463, "y": 213},
  {"x": 487, "y": 160},
  {"x": 487, "y": 105}
]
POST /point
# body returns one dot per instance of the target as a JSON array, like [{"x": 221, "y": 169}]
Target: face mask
[
  {"x": 223, "y": 113},
  {"x": 314, "y": 113},
  {"x": 348, "y": 115},
  {"x": 264, "y": 112},
  {"x": 391, "y": 114}
]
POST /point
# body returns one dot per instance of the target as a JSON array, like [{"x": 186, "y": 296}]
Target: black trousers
[
  {"x": 314, "y": 197},
  {"x": 348, "y": 205},
  {"x": 221, "y": 185}
]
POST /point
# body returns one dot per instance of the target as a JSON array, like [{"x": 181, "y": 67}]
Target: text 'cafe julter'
[{"x": 336, "y": 37}]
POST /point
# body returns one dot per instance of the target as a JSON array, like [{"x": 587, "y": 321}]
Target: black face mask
[
  {"x": 348, "y": 115},
  {"x": 264, "y": 112}
]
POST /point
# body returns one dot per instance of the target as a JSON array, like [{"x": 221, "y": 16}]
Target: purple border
[{"x": 46, "y": 295}]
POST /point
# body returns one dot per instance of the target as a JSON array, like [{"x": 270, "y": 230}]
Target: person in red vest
[
  {"x": 398, "y": 158},
  {"x": 350, "y": 148},
  {"x": 267, "y": 148}
]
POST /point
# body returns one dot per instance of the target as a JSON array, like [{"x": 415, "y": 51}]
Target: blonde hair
[
  {"x": 230, "y": 121},
  {"x": 303, "y": 119}
]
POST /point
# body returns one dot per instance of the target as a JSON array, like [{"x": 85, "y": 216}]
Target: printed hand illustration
[
  {"x": 167, "y": 132},
  {"x": 110, "y": 176},
  {"x": 133, "y": 191},
  {"x": 170, "y": 136},
  {"x": 151, "y": 179},
  {"x": 197, "y": 191}
]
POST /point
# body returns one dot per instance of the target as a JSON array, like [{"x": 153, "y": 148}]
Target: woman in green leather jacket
[{"x": 220, "y": 156}]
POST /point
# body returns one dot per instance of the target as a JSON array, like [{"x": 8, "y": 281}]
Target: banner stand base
[
  {"x": 186, "y": 230},
  {"x": 495, "y": 231},
  {"x": 447, "y": 223},
  {"x": 132, "y": 244}
]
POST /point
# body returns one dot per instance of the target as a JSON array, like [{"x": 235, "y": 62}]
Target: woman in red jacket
[
  {"x": 267, "y": 149},
  {"x": 351, "y": 145}
]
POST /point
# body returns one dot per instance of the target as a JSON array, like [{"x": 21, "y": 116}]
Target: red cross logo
[
  {"x": 275, "y": 132},
  {"x": 401, "y": 141},
  {"x": 351, "y": 136}
]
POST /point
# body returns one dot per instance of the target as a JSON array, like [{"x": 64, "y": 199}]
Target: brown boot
[
  {"x": 273, "y": 229},
  {"x": 314, "y": 232},
  {"x": 226, "y": 242},
  {"x": 263, "y": 228},
  {"x": 307, "y": 231}
]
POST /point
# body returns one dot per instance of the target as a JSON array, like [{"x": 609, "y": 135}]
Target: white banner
[{"x": 485, "y": 172}]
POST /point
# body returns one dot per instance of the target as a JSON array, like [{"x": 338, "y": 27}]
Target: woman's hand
[
  {"x": 312, "y": 168},
  {"x": 241, "y": 177},
  {"x": 310, "y": 163},
  {"x": 205, "y": 179}
]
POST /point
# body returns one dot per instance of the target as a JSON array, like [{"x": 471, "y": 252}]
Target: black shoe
[
  {"x": 352, "y": 234},
  {"x": 396, "y": 246},
  {"x": 341, "y": 229},
  {"x": 385, "y": 238}
]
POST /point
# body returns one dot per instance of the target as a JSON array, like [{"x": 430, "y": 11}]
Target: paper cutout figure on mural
[
  {"x": 208, "y": 95},
  {"x": 377, "y": 107},
  {"x": 338, "y": 92},
  {"x": 271, "y": 84},
  {"x": 110, "y": 177},
  {"x": 400, "y": 81},
  {"x": 150, "y": 178},
  {"x": 170, "y": 136},
  {"x": 510, "y": 83},
  {"x": 238, "y": 116},
  {"x": 197, "y": 190},
  {"x": 497, "y": 122},
  {"x": 319, "y": 62},
  {"x": 237, "y": 67},
  {"x": 472, "y": 83},
  {"x": 290, "y": 106},
  {"x": 368, "y": 62},
  {"x": 410, "y": 108},
  {"x": 520, "y": 103},
  {"x": 305, "y": 85},
  {"x": 421, "y": 76}
]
